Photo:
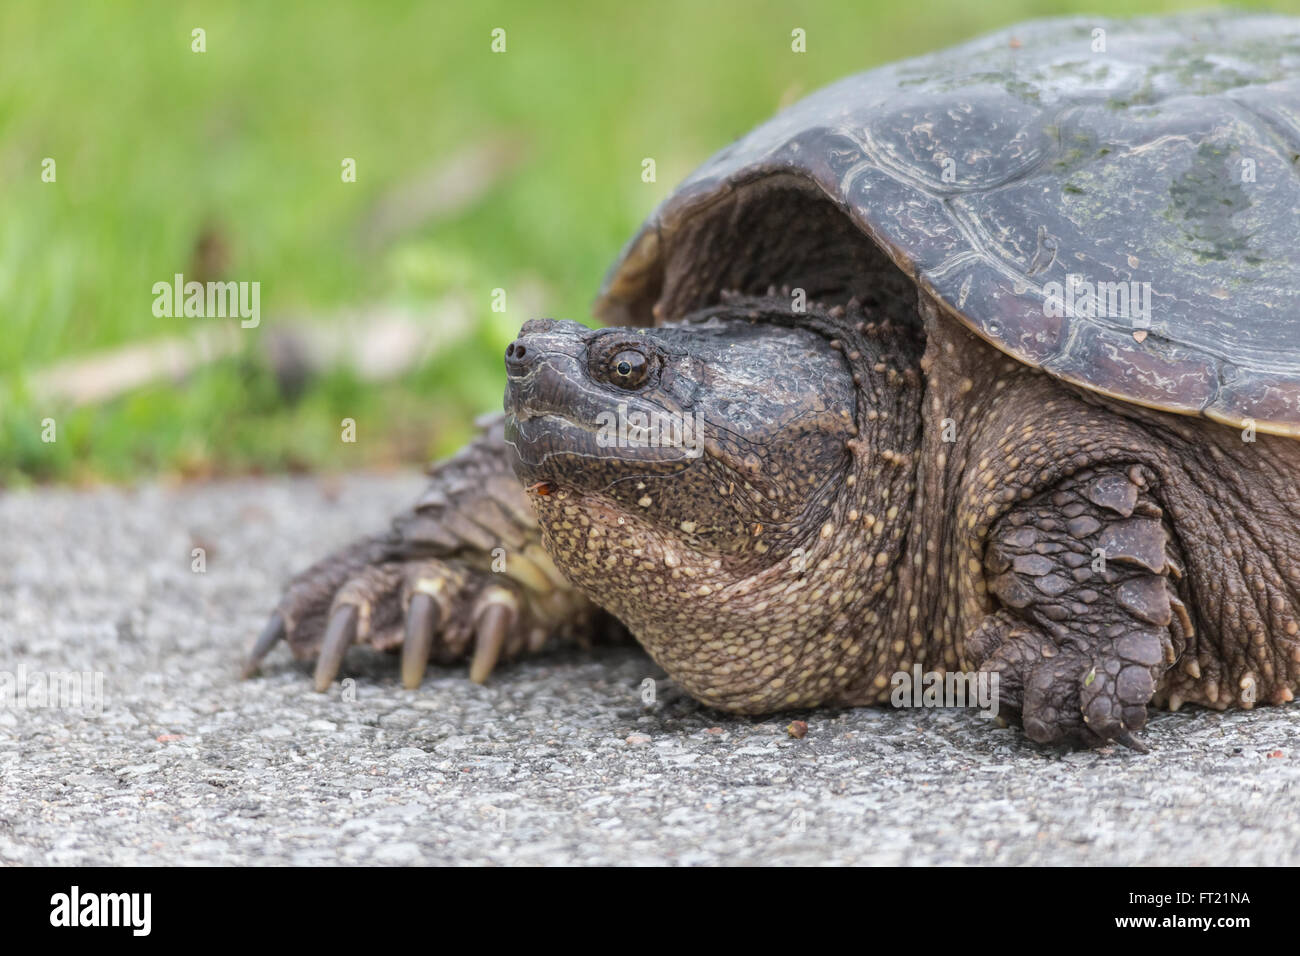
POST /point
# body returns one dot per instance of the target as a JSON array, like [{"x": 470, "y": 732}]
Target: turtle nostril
[{"x": 515, "y": 353}]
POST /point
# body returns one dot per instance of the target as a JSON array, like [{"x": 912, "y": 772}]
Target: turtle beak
[
  {"x": 543, "y": 366},
  {"x": 550, "y": 402},
  {"x": 558, "y": 414}
]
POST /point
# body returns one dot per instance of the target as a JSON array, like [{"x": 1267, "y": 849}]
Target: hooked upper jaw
[
  {"x": 569, "y": 395},
  {"x": 547, "y": 400}
]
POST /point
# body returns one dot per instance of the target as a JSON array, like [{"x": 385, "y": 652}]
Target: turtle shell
[{"x": 1115, "y": 202}]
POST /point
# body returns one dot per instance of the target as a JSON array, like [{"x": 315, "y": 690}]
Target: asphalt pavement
[{"x": 160, "y": 755}]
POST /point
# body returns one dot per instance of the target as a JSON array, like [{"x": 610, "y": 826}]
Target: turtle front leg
[
  {"x": 1090, "y": 617},
  {"x": 460, "y": 575}
]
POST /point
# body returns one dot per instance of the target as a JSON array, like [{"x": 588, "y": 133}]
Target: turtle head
[
  {"x": 721, "y": 435},
  {"x": 685, "y": 474}
]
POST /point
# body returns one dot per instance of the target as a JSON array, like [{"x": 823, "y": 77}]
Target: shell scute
[{"x": 1162, "y": 173}]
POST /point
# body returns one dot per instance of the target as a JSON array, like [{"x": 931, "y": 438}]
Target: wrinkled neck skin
[{"x": 759, "y": 577}]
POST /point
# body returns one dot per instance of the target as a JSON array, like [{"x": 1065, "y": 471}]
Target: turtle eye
[{"x": 628, "y": 368}]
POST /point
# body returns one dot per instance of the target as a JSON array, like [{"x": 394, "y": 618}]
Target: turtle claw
[
  {"x": 432, "y": 610},
  {"x": 423, "y": 615},
  {"x": 494, "y": 622},
  {"x": 1068, "y": 694},
  {"x": 1131, "y": 742},
  {"x": 339, "y": 636},
  {"x": 272, "y": 634}
]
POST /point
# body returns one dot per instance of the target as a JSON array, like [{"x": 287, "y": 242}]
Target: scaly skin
[
  {"x": 461, "y": 574},
  {"x": 1201, "y": 532},
  {"x": 873, "y": 495}
]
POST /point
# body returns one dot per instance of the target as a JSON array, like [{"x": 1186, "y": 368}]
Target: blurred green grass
[{"x": 156, "y": 144}]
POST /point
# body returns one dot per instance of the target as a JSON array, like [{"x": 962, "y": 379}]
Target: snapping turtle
[{"x": 987, "y": 361}]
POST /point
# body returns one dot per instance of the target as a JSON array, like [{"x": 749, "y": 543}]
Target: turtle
[{"x": 983, "y": 365}]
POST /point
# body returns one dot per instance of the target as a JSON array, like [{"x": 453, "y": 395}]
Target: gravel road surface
[{"x": 556, "y": 761}]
